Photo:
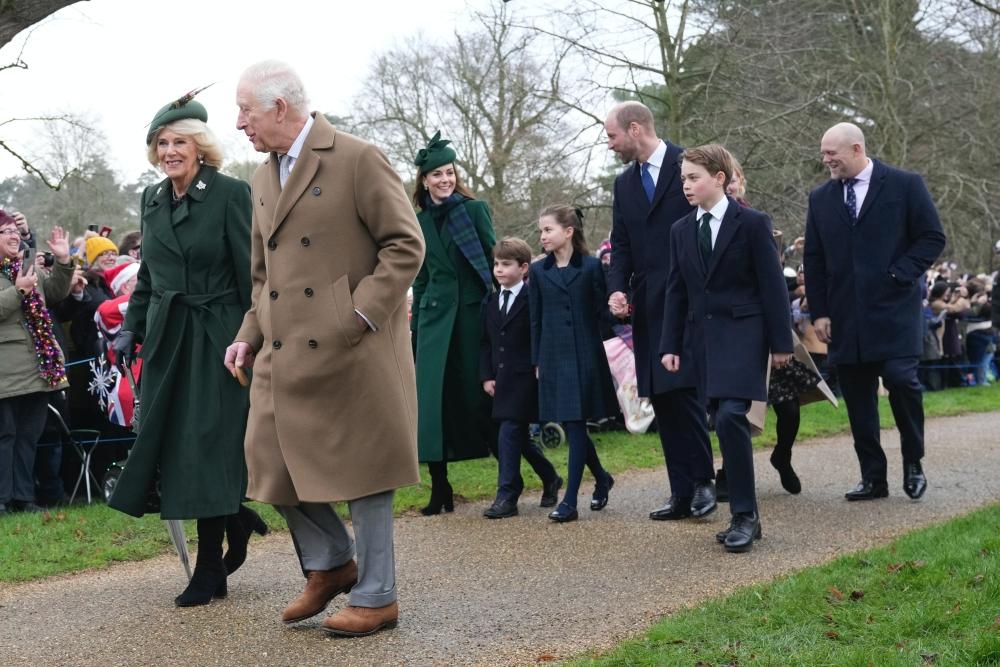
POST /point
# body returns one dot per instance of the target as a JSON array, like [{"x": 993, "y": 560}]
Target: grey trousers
[{"x": 323, "y": 543}]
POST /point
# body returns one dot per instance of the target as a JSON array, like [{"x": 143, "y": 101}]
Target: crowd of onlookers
[{"x": 104, "y": 274}]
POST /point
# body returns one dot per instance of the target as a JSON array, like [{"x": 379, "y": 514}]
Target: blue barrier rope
[{"x": 79, "y": 361}]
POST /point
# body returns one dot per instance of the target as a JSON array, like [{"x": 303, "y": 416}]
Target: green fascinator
[{"x": 437, "y": 153}]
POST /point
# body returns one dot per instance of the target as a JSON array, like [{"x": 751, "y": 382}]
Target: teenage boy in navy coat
[
  {"x": 507, "y": 375},
  {"x": 647, "y": 201},
  {"x": 727, "y": 299},
  {"x": 871, "y": 233}
]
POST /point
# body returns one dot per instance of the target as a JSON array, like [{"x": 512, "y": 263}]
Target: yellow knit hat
[{"x": 96, "y": 245}]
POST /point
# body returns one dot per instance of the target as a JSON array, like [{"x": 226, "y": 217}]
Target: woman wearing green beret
[
  {"x": 192, "y": 290},
  {"x": 453, "y": 411}
]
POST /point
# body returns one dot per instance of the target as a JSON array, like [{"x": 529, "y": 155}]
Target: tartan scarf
[
  {"x": 463, "y": 232},
  {"x": 39, "y": 325}
]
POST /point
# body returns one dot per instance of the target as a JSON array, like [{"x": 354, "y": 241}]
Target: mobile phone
[
  {"x": 50, "y": 260},
  {"x": 105, "y": 231},
  {"x": 92, "y": 228},
  {"x": 27, "y": 259}
]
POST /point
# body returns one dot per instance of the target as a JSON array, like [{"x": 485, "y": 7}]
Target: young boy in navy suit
[
  {"x": 726, "y": 297},
  {"x": 508, "y": 376}
]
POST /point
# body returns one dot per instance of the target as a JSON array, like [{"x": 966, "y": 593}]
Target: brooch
[{"x": 201, "y": 185}]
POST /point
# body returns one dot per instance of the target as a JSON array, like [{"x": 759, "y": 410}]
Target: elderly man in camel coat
[{"x": 335, "y": 245}]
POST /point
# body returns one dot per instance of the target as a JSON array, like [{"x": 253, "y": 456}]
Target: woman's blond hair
[{"x": 209, "y": 148}]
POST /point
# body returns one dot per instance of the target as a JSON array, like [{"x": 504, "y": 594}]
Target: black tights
[{"x": 786, "y": 425}]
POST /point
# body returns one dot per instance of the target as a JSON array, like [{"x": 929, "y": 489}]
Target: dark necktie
[
  {"x": 506, "y": 301},
  {"x": 851, "y": 201},
  {"x": 705, "y": 238},
  {"x": 647, "y": 182}
]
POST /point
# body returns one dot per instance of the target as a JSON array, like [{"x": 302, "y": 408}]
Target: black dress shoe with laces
[
  {"x": 914, "y": 482},
  {"x": 703, "y": 502},
  {"x": 550, "y": 492},
  {"x": 675, "y": 508},
  {"x": 600, "y": 499},
  {"x": 501, "y": 509},
  {"x": 564, "y": 513},
  {"x": 868, "y": 490},
  {"x": 743, "y": 530}
]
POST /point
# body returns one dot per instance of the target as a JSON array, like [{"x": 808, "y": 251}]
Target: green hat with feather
[{"x": 437, "y": 153}]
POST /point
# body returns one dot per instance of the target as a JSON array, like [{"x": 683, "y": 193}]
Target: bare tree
[
  {"x": 16, "y": 15},
  {"x": 495, "y": 91}
]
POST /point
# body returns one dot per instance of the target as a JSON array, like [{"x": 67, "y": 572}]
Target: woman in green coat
[
  {"x": 192, "y": 290},
  {"x": 453, "y": 411}
]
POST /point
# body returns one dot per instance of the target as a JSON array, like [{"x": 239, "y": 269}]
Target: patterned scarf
[
  {"x": 463, "y": 232},
  {"x": 39, "y": 323}
]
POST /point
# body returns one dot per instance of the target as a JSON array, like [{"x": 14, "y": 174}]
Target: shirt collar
[
  {"x": 300, "y": 140},
  {"x": 514, "y": 290},
  {"x": 656, "y": 159},
  {"x": 718, "y": 211},
  {"x": 866, "y": 174}
]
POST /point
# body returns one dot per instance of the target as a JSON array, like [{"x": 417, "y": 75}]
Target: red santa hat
[{"x": 119, "y": 275}]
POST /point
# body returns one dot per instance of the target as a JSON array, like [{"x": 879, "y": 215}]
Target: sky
[{"x": 119, "y": 61}]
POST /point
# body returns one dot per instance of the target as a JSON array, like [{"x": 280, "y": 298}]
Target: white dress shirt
[
  {"x": 290, "y": 158},
  {"x": 862, "y": 181},
  {"x": 718, "y": 211},
  {"x": 514, "y": 291},
  {"x": 656, "y": 161}
]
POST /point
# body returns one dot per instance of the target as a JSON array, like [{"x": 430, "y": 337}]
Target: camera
[
  {"x": 92, "y": 228},
  {"x": 49, "y": 260}
]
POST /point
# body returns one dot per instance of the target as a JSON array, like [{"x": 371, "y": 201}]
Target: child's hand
[
  {"x": 489, "y": 386},
  {"x": 672, "y": 362}
]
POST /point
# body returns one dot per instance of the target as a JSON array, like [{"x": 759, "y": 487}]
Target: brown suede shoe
[
  {"x": 362, "y": 621},
  {"x": 321, "y": 587}
]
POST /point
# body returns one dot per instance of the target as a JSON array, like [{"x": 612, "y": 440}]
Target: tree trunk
[{"x": 16, "y": 15}]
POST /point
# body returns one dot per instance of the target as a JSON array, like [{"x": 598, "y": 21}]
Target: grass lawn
[
  {"x": 80, "y": 537},
  {"x": 930, "y": 598}
]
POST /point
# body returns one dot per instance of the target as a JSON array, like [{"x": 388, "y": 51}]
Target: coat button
[
  {"x": 272, "y": 244},
  {"x": 273, "y": 295},
  {"x": 276, "y": 344},
  {"x": 316, "y": 191},
  {"x": 434, "y": 304},
  {"x": 305, "y": 241},
  {"x": 708, "y": 317},
  {"x": 313, "y": 344},
  {"x": 309, "y": 291},
  {"x": 500, "y": 365},
  {"x": 501, "y": 348},
  {"x": 503, "y": 333}
]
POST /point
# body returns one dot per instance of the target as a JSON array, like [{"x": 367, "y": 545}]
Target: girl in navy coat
[{"x": 568, "y": 298}]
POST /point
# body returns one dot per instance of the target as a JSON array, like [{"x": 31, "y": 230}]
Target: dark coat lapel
[
  {"x": 572, "y": 272},
  {"x": 669, "y": 171},
  {"x": 874, "y": 188},
  {"x": 730, "y": 224},
  {"x": 835, "y": 200},
  {"x": 516, "y": 306},
  {"x": 156, "y": 218}
]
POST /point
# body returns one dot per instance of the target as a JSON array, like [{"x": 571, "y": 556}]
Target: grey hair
[{"x": 271, "y": 79}]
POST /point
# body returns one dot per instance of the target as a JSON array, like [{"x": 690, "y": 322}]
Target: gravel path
[{"x": 478, "y": 592}]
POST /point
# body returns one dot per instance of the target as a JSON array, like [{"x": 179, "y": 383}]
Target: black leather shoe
[
  {"x": 703, "y": 502},
  {"x": 600, "y": 499},
  {"x": 564, "y": 513},
  {"x": 867, "y": 490},
  {"x": 789, "y": 480},
  {"x": 501, "y": 509},
  {"x": 914, "y": 482},
  {"x": 743, "y": 530},
  {"x": 675, "y": 508},
  {"x": 721, "y": 486},
  {"x": 550, "y": 492}
]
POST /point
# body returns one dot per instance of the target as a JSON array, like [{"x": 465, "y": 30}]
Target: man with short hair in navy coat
[
  {"x": 727, "y": 301},
  {"x": 647, "y": 201},
  {"x": 872, "y": 231}
]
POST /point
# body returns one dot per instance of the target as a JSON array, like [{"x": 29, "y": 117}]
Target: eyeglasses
[{"x": 9, "y": 232}]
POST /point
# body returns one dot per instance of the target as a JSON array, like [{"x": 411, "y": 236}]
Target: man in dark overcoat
[
  {"x": 872, "y": 231},
  {"x": 648, "y": 200}
]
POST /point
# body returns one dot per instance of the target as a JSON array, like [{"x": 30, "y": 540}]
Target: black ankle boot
[
  {"x": 209, "y": 579},
  {"x": 442, "y": 497},
  {"x": 781, "y": 459},
  {"x": 239, "y": 527}
]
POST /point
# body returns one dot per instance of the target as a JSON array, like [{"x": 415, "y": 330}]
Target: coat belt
[{"x": 193, "y": 302}]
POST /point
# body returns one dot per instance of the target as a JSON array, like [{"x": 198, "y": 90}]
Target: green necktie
[{"x": 705, "y": 238}]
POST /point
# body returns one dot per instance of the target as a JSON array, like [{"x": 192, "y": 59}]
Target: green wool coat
[
  {"x": 453, "y": 411},
  {"x": 192, "y": 290}
]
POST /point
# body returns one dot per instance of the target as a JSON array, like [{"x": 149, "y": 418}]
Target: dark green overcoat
[
  {"x": 192, "y": 290},
  {"x": 453, "y": 411}
]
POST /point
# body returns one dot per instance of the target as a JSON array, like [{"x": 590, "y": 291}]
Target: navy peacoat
[
  {"x": 866, "y": 277},
  {"x": 640, "y": 263},
  {"x": 733, "y": 312},
  {"x": 574, "y": 381},
  {"x": 505, "y": 357}
]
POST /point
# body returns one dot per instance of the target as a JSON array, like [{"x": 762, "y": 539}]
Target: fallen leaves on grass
[
  {"x": 835, "y": 593},
  {"x": 996, "y": 623},
  {"x": 546, "y": 657},
  {"x": 857, "y": 595},
  {"x": 929, "y": 658},
  {"x": 893, "y": 568},
  {"x": 830, "y": 634}
]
